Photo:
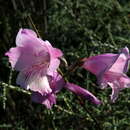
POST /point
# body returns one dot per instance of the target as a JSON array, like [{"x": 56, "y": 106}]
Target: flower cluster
[{"x": 37, "y": 62}]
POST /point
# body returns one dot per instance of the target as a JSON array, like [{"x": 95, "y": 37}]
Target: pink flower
[
  {"x": 35, "y": 59},
  {"x": 110, "y": 70}
]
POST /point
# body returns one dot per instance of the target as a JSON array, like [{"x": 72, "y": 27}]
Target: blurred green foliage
[{"x": 80, "y": 29}]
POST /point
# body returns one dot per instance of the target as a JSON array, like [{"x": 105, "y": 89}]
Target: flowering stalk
[
  {"x": 90, "y": 114},
  {"x": 18, "y": 89},
  {"x": 74, "y": 66}
]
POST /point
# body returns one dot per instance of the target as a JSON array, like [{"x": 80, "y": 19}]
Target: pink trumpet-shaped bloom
[
  {"x": 37, "y": 62},
  {"x": 35, "y": 59},
  {"x": 110, "y": 70}
]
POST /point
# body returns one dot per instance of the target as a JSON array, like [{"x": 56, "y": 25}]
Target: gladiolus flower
[
  {"x": 35, "y": 59},
  {"x": 110, "y": 70}
]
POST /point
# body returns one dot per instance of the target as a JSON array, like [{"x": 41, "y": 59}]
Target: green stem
[
  {"x": 33, "y": 25},
  {"x": 15, "y": 88},
  {"x": 74, "y": 66},
  {"x": 90, "y": 114}
]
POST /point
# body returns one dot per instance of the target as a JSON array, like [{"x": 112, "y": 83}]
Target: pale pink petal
[
  {"x": 115, "y": 91},
  {"x": 117, "y": 82},
  {"x": 82, "y": 92},
  {"x": 126, "y": 52},
  {"x": 13, "y": 54},
  {"x": 110, "y": 77},
  {"x": 124, "y": 82},
  {"x": 24, "y": 36},
  {"x": 33, "y": 51},
  {"x": 54, "y": 64},
  {"x": 47, "y": 100},
  {"x": 121, "y": 64}
]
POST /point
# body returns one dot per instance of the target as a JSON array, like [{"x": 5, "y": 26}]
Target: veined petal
[
  {"x": 27, "y": 56},
  {"x": 34, "y": 82},
  {"x": 117, "y": 82},
  {"x": 82, "y": 92},
  {"x": 33, "y": 51},
  {"x": 122, "y": 79},
  {"x": 47, "y": 100}
]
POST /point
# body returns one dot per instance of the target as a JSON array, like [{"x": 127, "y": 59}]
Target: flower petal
[
  {"x": 25, "y": 35},
  {"x": 124, "y": 82},
  {"x": 117, "y": 82},
  {"x": 54, "y": 64},
  {"x": 31, "y": 47},
  {"x": 47, "y": 100},
  {"x": 27, "y": 56},
  {"x": 99, "y": 64},
  {"x": 56, "y": 82},
  {"x": 120, "y": 65},
  {"x": 13, "y": 54},
  {"x": 34, "y": 83},
  {"x": 82, "y": 92},
  {"x": 115, "y": 91},
  {"x": 54, "y": 52}
]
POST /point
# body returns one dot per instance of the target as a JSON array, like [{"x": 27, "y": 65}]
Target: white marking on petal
[{"x": 40, "y": 84}]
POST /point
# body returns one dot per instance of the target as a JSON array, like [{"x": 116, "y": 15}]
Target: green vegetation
[{"x": 80, "y": 29}]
